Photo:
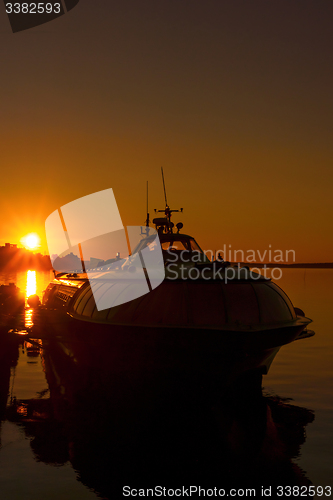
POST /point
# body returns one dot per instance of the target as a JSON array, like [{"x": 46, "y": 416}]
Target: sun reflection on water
[
  {"x": 31, "y": 283},
  {"x": 30, "y": 289}
]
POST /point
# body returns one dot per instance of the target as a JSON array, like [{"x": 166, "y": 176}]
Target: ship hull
[
  {"x": 143, "y": 351},
  {"x": 211, "y": 333}
]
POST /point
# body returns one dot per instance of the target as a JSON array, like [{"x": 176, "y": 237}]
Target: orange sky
[{"x": 233, "y": 99}]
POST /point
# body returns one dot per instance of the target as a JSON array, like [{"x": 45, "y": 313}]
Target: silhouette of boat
[{"x": 206, "y": 318}]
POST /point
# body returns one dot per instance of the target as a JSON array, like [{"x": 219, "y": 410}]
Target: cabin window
[
  {"x": 241, "y": 302},
  {"x": 206, "y": 303},
  {"x": 285, "y": 297},
  {"x": 83, "y": 297},
  {"x": 178, "y": 245},
  {"x": 273, "y": 307},
  {"x": 83, "y": 302},
  {"x": 194, "y": 246},
  {"x": 80, "y": 298},
  {"x": 89, "y": 307},
  {"x": 100, "y": 315}
]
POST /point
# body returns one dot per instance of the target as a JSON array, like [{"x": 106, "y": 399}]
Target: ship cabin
[{"x": 176, "y": 247}]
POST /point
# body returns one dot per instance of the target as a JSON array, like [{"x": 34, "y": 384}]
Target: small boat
[{"x": 212, "y": 319}]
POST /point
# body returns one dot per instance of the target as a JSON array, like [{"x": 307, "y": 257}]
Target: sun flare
[{"x": 31, "y": 241}]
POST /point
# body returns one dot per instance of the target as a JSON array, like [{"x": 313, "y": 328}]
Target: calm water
[{"x": 302, "y": 371}]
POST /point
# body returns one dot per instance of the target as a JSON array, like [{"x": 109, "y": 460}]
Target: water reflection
[
  {"x": 30, "y": 283},
  {"x": 9, "y": 354},
  {"x": 116, "y": 430},
  {"x": 302, "y": 371},
  {"x": 31, "y": 286},
  {"x": 30, "y": 289}
]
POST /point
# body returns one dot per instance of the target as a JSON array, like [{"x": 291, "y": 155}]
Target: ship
[{"x": 211, "y": 322}]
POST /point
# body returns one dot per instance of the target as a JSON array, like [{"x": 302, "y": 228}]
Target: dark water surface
[
  {"x": 63, "y": 436},
  {"x": 303, "y": 370}
]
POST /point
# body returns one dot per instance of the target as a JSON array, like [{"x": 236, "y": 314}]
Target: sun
[{"x": 31, "y": 241}]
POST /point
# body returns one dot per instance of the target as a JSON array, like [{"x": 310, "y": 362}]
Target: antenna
[
  {"x": 165, "y": 224},
  {"x": 165, "y": 196},
  {"x": 147, "y": 220}
]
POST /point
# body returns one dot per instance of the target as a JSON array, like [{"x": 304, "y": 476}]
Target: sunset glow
[
  {"x": 234, "y": 102},
  {"x": 31, "y": 241}
]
